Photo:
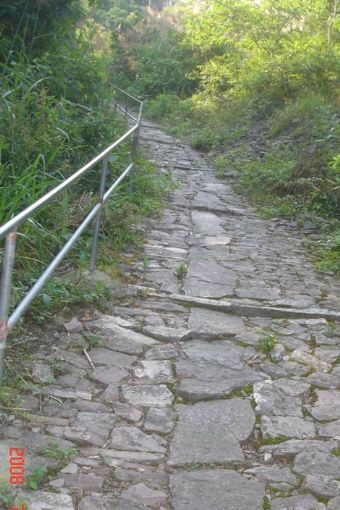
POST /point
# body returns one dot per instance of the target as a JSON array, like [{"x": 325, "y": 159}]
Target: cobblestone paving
[{"x": 181, "y": 410}]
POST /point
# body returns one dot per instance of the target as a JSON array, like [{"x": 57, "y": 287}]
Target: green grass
[
  {"x": 60, "y": 294},
  {"x": 266, "y": 344},
  {"x": 331, "y": 329},
  {"x": 181, "y": 271},
  {"x": 94, "y": 341},
  {"x": 36, "y": 477},
  {"x": 53, "y": 451},
  {"x": 274, "y": 441}
]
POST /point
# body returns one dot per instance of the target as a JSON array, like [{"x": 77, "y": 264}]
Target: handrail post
[
  {"x": 134, "y": 148},
  {"x": 97, "y": 220},
  {"x": 5, "y": 293}
]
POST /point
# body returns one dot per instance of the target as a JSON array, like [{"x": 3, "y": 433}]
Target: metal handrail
[{"x": 10, "y": 228}]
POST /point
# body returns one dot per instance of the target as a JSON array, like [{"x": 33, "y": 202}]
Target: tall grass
[{"x": 55, "y": 115}]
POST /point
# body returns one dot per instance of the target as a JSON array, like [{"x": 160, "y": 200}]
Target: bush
[
  {"x": 162, "y": 106},
  {"x": 55, "y": 115}
]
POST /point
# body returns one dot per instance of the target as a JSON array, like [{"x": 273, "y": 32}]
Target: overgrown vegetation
[
  {"x": 56, "y": 65},
  {"x": 256, "y": 83}
]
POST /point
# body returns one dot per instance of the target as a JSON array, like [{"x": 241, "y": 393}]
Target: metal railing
[{"x": 9, "y": 230}]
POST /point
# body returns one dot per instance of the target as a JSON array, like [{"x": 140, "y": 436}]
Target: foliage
[
  {"x": 181, "y": 271},
  {"x": 247, "y": 72},
  {"x": 53, "y": 451},
  {"x": 36, "y": 477},
  {"x": 55, "y": 115},
  {"x": 266, "y": 344}
]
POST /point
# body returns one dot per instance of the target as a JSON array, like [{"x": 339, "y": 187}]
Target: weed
[
  {"x": 36, "y": 477},
  {"x": 266, "y": 344},
  {"x": 8, "y": 499},
  {"x": 181, "y": 271},
  {"x": 274, "y": 441},
  {"x": 266, "y": 505},
  {"x": 6, "y": 495},
  {"x": 146, "y": 263},
  {"x": 8, "y": 397},
  {"x": 331, "y": 329},
  {"x": 53, "y": 451},
  {"x": 94, "y": 341},
  {"x": 281, "y": 322},
  {"x": 57, "y": 368}
]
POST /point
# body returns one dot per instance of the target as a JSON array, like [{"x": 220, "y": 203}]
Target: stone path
[{"x": 184, "y": 408}]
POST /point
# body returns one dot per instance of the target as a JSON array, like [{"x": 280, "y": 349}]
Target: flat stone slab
[
  {"x": 217, "y": 240},
  {"x": 119, "y": 338},
  {"x": 133, "y": 439},
  {"x": 315, "y": 462},
  {"x": 165, "y": 334},
  {"x": 292, "y": 447},
  {"x": 42, "y": 500},
  {"x": 108, "y": 375},
  {"x": 210, "y": 270},
  {"x": 154, "y": 477},
  {"x": 200, "y": 288},
  {"x": 210, "y": 324},
  {"x": 146, "y": 395},
  {"x": 72, "y": 394},
  {"x": 207, "y": 223},
  {"x": 273, "y": 474},
  {"x": 331, "y": 429},
  {"x": 257, "y": 292},
  {"x": 61, "y": 355},
  {"x": 211, "y": 370},
  {"x": 209, "y": 432},
  {"x": 127, "y": 412},
  {"x": 247, "y": 309},
  {"x": 166, "y": 351},
  {"x": 208, "y": 201},
  {"x": 84, "y": 483},
  {"x": 322, "y": 486},
  {"x": 118, "y": 457},
  {"x": 90, "y": 428},
  {"x": 286, "y": 426},
  {"x": 107, "y": 503},
  {"x": 160, "y": 420},
  {"x": 217, "y": 489},
  {"x": 303, "y": 357},
  {"x": 154, "y": 371},
  {"x": 280, "y": 397},
  {"x": 206, "y": 278},
  {"x": 327, "y": 406},
  {"x": 295, "y": 503},
  {"x": 140, "y": 493},
  {"x": 102, "y": 356}
]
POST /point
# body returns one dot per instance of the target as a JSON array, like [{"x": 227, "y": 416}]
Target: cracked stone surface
[
  {"x": 178, "y": 407},
  {"x": 216, "y": 488},
  {"x": 212, "y": 370},
  {"x": 210, "y": 433}
]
